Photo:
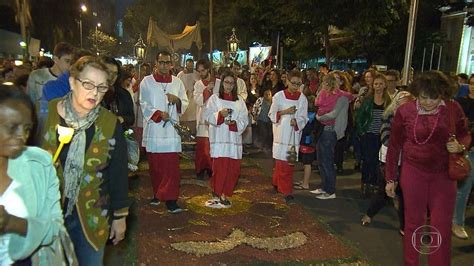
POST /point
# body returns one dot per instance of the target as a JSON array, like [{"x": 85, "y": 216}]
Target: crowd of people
[{"x": 312, "y": 117}]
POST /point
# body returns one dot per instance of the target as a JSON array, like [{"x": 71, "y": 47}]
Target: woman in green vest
[{"x": 92, "y": 168}]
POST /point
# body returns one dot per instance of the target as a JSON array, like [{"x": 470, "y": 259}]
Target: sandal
[
  {"x": 296, "y": 183},
  {"x": 300, "y": 187}
]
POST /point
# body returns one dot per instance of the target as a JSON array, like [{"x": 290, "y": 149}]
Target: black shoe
[
  {"x": 200, "y": 175},
  {"x": 173, "y": 207},
  {"x": 154, "y": 202},
  {"x": 373, "y": 189},
  {"x": 357, "y": 167},
  {"x": 289, "y": 199},
  {"x": 364, "y": 189},
  {"x": 339, "y": 169}
]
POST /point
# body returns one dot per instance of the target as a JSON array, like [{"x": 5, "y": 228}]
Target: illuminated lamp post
[
  {"x": 139, "y": 50},
  {"x": 233, "y": 45},
  {"x": 83, "y": 10}
]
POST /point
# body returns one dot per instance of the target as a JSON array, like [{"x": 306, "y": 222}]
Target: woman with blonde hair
[
  {"x": 332, "y": 104},
  {"x": 368, "y": 124},
  {"x": 92, "y": 168}
]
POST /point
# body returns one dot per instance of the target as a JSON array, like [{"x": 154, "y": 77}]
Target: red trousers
[
  {"x": 423, "y": 191},
  {"x": 225, "y": 173},
  {"x": 283, "y": 177},
  {"x": 202, "y": 160},
  {"x": 164, "y": 173}
]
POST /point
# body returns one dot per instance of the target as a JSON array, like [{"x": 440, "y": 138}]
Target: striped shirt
[{"x": 377, "y": 113}]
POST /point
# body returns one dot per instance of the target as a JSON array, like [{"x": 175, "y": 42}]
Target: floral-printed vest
[{"x": 91, "y": 206}]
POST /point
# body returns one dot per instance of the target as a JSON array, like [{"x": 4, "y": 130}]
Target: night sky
[{"x": 121, "y": 7}]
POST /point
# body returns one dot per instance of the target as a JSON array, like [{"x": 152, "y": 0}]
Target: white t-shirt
[{"x": 14, "y": 205}]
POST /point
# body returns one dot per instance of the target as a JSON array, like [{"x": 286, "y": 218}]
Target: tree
[
  {"x": 171, "y": 16},
  {"x": 54, "y": 21},
  {"x": 374, "y": 30},
  {"x": 102, "y": 43}
]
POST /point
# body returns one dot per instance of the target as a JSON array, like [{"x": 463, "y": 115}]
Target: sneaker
[
  {"x": 459, "y": 232},
  {"x": 365, "y": 220},
  {"x": 289, "y": 199},
  {"x": 173, "y": 207},
  {"x": 318, "y": 191},
  {"x": 326, "y": 196},
  {"x": 225, "y": 203},
  {"x": 213, "y": 203},
  {"x": 154, "y": 202}
]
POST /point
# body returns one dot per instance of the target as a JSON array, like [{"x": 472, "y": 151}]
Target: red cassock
[
  {"x": 225, "y": 173},
  {"x": 202, "y": 161},
  {"x": 283, "y": 177},
  {"x": 164, "y": 173}
]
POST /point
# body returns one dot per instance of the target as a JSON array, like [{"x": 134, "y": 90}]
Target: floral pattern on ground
[
  {"x": 239, "y": 205},
  {"x": 238, "y": 237}
]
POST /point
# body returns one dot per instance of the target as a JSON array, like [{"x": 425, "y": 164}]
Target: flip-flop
[
  {"x": 298, "y": 183},
  {"x": 300, "y": 187}
]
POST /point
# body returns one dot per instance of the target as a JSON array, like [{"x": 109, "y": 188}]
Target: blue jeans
[
  {"x": 370, "y": 144},
  {"x": 86, "y": 254},
  {"x": 462, "y": 195},
  {"x": 355, "y": 140},
  {"x": 325, "y": 151}
]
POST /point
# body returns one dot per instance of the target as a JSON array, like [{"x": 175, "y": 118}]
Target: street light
[
  {"x": 83, "y": 10},
  {"x": 233, "y": 44},
  {"x": 139, "y": 50},
  {"x": 97, "y": 38}
]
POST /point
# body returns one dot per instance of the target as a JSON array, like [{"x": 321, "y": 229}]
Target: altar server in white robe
[
  {"x": 227, "y": 116},
  {"x": 289, "y": 115},
  {"x": 203, "y": 89},
  {"x": 163, "y": 99}
]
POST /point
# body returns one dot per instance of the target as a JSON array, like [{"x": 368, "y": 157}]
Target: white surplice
[
  {"x": 284, "y": 136},
  {"x": 189, "y": 79},
  {"x": 161, "y": 137},
  {"x": 202, "y": 127},
  {"x": 226, "y": 143}
]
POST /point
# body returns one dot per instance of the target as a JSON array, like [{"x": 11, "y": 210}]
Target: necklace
[
  {"x": 431, "y": 133},
  {"x": 164, "y": 87}
]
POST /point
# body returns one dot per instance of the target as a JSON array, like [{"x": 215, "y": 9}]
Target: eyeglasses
[
  {"x": 88, "y": 85},
  {"x": 297, "y": 84},
  {"x": 164, "y": 62},
  {"x": 229, "y": 82}
]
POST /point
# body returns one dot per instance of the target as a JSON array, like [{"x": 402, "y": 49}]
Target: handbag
[
  {"x": 459, "y": 165},
  {"x": 133, "y": 150},
  {"x": 60, "y": 252}
]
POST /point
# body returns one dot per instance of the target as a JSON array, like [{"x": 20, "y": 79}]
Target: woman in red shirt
[{"x": 420, "y": 135}]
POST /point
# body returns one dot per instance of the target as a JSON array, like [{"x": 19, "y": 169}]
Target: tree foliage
[
  {"x": 102, "y": 43},
  {"x": 372, "y": 29}
]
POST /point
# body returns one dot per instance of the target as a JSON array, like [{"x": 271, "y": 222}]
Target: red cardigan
[{"x": 431, "y": 157}]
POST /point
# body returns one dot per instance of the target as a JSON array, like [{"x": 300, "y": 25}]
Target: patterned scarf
[{"x": 73, "y": 170}]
